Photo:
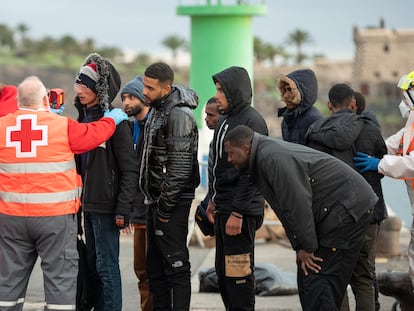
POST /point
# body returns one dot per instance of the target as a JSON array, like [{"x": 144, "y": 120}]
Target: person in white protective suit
[{"x": 399, "y": 162}]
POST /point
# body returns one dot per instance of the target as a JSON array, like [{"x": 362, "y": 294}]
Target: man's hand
[
  {"x": 308, "y": 261},
  {"x": 58, "y": 111},
  {"x": 128, "y": 229},
  {"x": 366, "y": 162},
  {"x": 121, "y": 221},
  {"x": 116, "y": 114},
  {"x": 234, "y": 224},
  {"x": 211, "y": 208}
]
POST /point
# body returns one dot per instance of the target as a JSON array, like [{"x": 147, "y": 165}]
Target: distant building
[{"x": 382, "y": 56}]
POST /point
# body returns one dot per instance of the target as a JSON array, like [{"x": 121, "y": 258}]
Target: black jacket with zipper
[
  {"x": 229, "y": 190},
  {"x": 169, "y": 167},
  {"x": 342, "y": 135},
  {"x": 110, "y": 171}
]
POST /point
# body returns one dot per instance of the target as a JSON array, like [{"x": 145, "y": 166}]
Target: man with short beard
[{"x": 169, "y": 176}]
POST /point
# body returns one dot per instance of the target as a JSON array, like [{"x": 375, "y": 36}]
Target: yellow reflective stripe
[
  {"x": 11, "y": 303},
  {"x": 42, "y": 167},
  {"x": 38, "y": 198},
  {"x": 60, "y": 307}
]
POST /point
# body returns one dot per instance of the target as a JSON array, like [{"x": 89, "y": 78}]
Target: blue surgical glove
[
  {"x": 117, "y": 115},
  {"x": 366, "y": 162},
  {"x": 58, "y": 111}
]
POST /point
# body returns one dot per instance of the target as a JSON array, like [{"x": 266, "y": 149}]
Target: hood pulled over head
[
  {"x": 237, "y": 87},
  {"x": 305, "y": 83}
]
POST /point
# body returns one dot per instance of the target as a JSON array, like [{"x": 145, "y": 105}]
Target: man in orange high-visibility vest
[
  {"x": 399, "y": 162},
  {"x": 40, "y": 195}
]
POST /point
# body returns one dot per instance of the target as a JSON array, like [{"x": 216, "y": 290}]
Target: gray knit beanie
[{"x": 135, "y": 88}]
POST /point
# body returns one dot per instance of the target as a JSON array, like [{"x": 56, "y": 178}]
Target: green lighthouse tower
[{"x": 221, "y": 36}]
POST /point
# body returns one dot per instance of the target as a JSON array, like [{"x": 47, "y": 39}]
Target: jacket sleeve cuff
[{"x": 161, "y": 212}]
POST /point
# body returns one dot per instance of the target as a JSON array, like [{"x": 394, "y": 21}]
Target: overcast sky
[{"x": 141, "y": 25}]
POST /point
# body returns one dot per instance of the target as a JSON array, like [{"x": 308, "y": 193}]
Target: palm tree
[
  {"x": 142, "y": 59},
  {"x": 68, "y": 44},
  {"x": 43, "y": 45},
  {"x": 299, "y": 37},
  {"x": 259, "y": 50},
  {"x": 174, "y": 43},
  {"x": 6, "y": 37},
  {"x": 272, "y": 52},
  {"x": 110, "y": 52}
]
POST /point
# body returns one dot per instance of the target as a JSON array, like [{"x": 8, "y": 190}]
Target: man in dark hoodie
[
  {"x": 342, "y": 135},
  {"x": 235, "y": 206},
  {"x": 299, "y": 91},
  {"x": 168, "y": 178},
  {"x": 110, "y": 181}
]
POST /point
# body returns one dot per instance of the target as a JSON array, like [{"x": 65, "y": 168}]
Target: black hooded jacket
[
  {"x": 110, "y": 171},
  {"x": 345, "y": 133},
  {"x": 229, "y": 190},
  {"x": 169, "y": 167},
  {"x": 296, "y": 122}
]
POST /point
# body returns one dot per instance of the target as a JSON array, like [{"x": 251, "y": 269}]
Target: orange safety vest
[{"x": 38, "y": 174}]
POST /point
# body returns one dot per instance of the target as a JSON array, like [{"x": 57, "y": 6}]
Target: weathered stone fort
[{"x": 382, "y": 56}]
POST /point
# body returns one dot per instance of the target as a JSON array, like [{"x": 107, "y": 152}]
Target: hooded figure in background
[
  {"x": 110, "y": 180},
  {"x": 299, "y": 91},
  {"x": 8, "y": 99}
]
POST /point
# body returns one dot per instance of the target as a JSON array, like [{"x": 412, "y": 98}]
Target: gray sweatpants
[{"x": 53, "y": 239}]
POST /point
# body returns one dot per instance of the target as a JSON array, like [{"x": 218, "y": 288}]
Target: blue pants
[{"x": 102, "y": 250}]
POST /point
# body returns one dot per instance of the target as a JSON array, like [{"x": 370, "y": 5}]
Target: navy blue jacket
[{"x": 296, "y": 122}]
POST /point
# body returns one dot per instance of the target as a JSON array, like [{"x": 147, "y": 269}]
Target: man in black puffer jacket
[
  {"x": 235, "y": 201},
  {"x": 342, "y": 135},
  {"x": 168, "y": 178}
]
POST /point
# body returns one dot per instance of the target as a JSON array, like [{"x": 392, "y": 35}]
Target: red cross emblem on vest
[{"x": 26, "y": 136}]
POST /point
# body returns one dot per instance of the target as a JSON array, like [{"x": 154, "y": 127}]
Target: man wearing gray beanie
[
  {"x": 134, "y": 87},
  {"x": 134, "y": 105}
]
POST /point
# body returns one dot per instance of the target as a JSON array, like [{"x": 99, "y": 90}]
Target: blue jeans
[{"x": 102, "y": 249}]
